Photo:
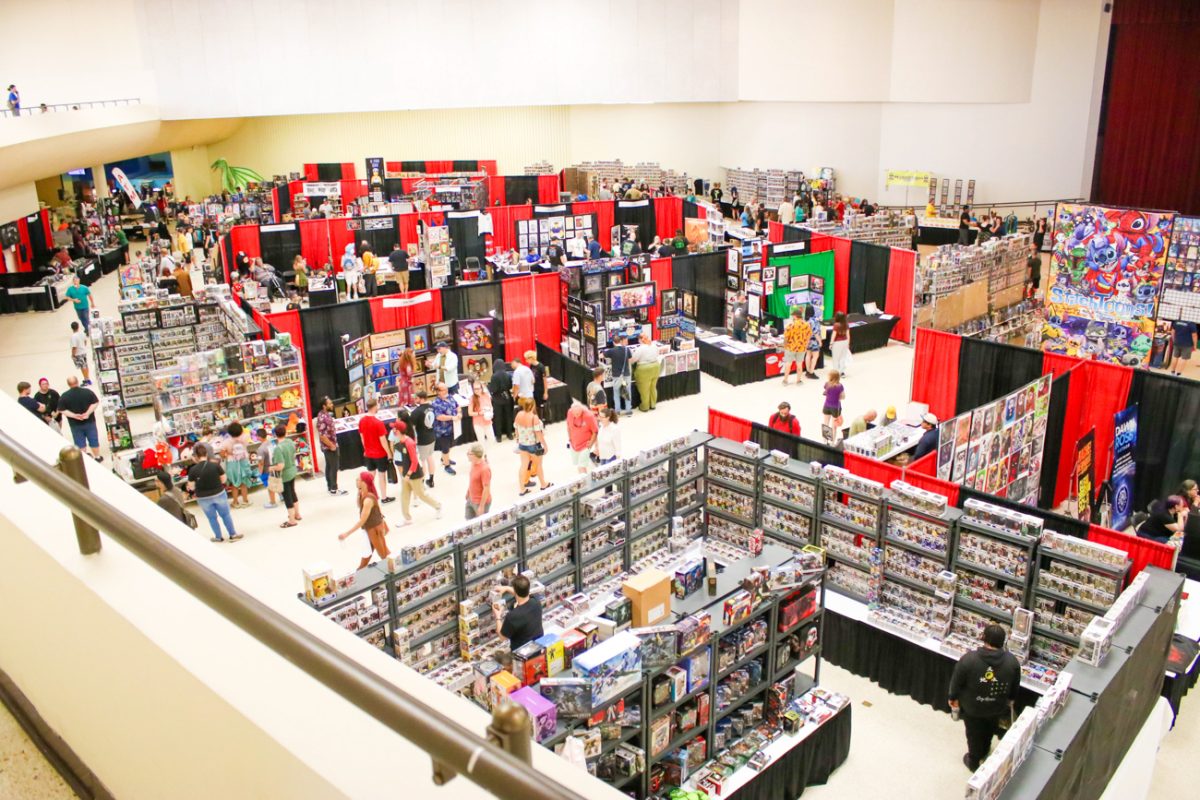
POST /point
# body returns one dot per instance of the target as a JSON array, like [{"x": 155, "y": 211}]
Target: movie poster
[{"x": 1107, "y": 267}]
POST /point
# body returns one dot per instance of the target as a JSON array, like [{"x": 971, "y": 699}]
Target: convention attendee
[
  {"x": 1168, "y": 519},
  {"x": 371, "y": 527},
  {"x": 889, "y": 416},
  {"x": 78, "y": 404},
  {"x": 833, "y": 395},
  {"x": 49, "y": 400},
  {"x": 964, "y": 226},
  {"x": 646, "y": 369},
  {"x": 26, "y": 401},
  {"x": 283, "y": 465},
  {"x": 1183, "y": 342},
  {"x": 819, "y": 214},
  {"x": 930, "y": 210},
  {"x": 787, "y": 212},
  {"x": 500, "y": 387},
  {"x": 14, "y": 100},
  {"x": 183, "y": 280},
  {"x": 679, "y": 242},
  {"x": 839, "y": 346},
  {"x": 327, "y": 435},
  {"x": 169, "y": 498},
  {"x": 531, "y": 444},
  {"x": 206, "y": 480},
  {"x": 1039, "y": 233},
  {"x": 61, "y": 261},
  {"x": 593, "y": 248},
  {"x": 715, "y": 194},
  {"x": 581, "y": 435},
  {"x": 79, "y": 348},
  {"x": 81, "y": 298},
  {"x": 608, "y": 438},
  {"x": 741, "y": 317},
  {"x": 523, "y": 623},
  {"x": 666, "y": 249},
  {"x": 422, "y": 421},
  {"x": 480, "y": 409},
  {"x": 351, "y": 271},
  {"x": 408, "y": 466},
  {"x": 929, "y": 439},
  {"x": 813, "y": 353},
  {"x": 746, "y": 219},
  {"x": 479, "y": 487},
  {"x": 622, "y": 373},
  {"x": 445, "y": 365},
  {"x": 398, "y": 259},
  {"x": 555, "y": 254},
  {"x": 1188, "y": 490},
  {"x": 541, "y": 389},
  {"x": 784, "y": 421},
  {"x": 522, "y": 379},
  {"x": 445, "y": 414},
  {"x": 983, "y": 689},
  {"x": 375, "y": 447},
  {"x": 796, "y": 337},
  {"x": 597, "y": 398},
  {"x": 238, "y": 474},
  {"x": 326, "y": 208},
  {"x": 370, "y": 266},
  {"x": 300, "y": 274},
  {"x": 863, "y": 423}
]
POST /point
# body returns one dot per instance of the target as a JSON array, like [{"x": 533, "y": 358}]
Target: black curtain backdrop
[
  {"x": 640, "y": 213},
  {"x": 393, "y": 187},
  {"x": 323, "y": 328},
  {"x": 1168, "y": 445},
  {"x": 381, "y": 239},
  {"x": 464, "y": 234},
  {"x": 793, "y": 234},
  {"x": 283, "y": 199},
  {"x": 1053, "y": 453},
  {"x": 1054, "y": 522},
  {"x": 704, "y": 274},
  {"x": 412, "y": 166},
  {"x": 39, "y": 248},
  {"x": 868, "y": 275},
  {"x": 464, "y": 166},
  {"x": 988, "y": 370},
  {"x": 329, "y": 172},
  {"x": 692, "y": 210},
  {"x": 279, "y": 247},
  {"x": 520, "y": 188},
  {"x": 797, "y": 447}
]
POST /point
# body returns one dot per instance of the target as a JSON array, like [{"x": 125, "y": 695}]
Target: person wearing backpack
[
  {"x": 622, "y": 374},
  {"x": 784, "y": 420}
]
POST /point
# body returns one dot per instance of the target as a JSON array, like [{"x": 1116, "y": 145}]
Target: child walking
[
  {"x": 266, "y": 454},
  {"x": 835, "y": 394}
]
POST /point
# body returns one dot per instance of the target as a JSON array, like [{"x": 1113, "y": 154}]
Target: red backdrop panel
[
  {"x": 871, "y": 469},
  {"x": 925, "y": 465},
  {"x": 348, "y": 173},
  {"x": 1144, "y": 552},
  {"x": 1108, "y": 393},
  {"x": 902, "y": 269},
  {"x": 25, "y": 249},
  {"x": 244, "y": 239},
  {"x": 547, "y": 310},
  {"x": 1074, "y": 425},
  {"x": 517, "y": 299},
  {"x": 438, "y": 167},
  {"x": 841, "y": 273},
  {"x": 548, "y": 189},
  {"x": 504, "y": 225},
  {"x": 425, "y": 308},
  {"x": 668, "y": 216},
  {"x": 929, "y": 483},
  {"x": 935, "y": 371},
  {"x": 289, "y": 322},
  {"x": 661, "y": 273},
  {"x": 314, "y": 242},
  {"x": 774, "y": 232},
  {"x": 408, "y": 225},
  {"x": 496, "y": 190},
  {"x": 604, "y": 211},
  {"x": 490, "y": 168},
  {"x": 352, "y": 190},
  {"x": 1056, "y": 364},
  {"x": 339, "y": 237},
  {"x": 728, "y": 426},
  {"x": 311, "y": 173}
]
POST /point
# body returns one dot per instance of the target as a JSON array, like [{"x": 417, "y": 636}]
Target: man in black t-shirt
[
  {"x": 1167, "y": 518},
  {"x": 500, "y": 387},
  {"x": 422, "y": 425},
  {"x": 78, "y": 404},
  {"x": 523, "y": 623},
  {"x": 554, "y": 253},
  {"x": 540, "y": 392},
  {"x": 622, "y": 372},
  {"x": 982, "y": 690},
  {"x": 399, "y": 261},
  {"x": 27, "y": 402},
  {"x": 964, "y": 226}
]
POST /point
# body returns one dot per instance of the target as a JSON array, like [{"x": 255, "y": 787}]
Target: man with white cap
[{"x": 929, "y": 440}]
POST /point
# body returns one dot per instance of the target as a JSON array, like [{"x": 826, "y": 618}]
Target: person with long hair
[
  {"x": 408, "y": 366},
  {"x": 238, "y": 475},
  {"x": 840, "y": 346},
  {"x": 531, "y": 443},
  {"x": 371, "y": 527},
  {"x": 480, "y": 409},
  {"x": 813, "y": 353},
  {"x": 608, "y": 439}
]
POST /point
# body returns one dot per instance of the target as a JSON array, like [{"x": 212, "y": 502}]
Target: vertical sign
[
  {"x": 945, "y": 191},
  {"x": 374, "y": 173},
  {"x": 971, "y": 192},
  {"x": 958, "y": 192},
  {"x": 1085, "y": 464},
  {"x": 933, "y": 190},
  {"x": 1124, "y": 442}
]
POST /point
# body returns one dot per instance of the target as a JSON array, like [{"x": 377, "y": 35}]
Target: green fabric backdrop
[{"x": 819, "y": 264}]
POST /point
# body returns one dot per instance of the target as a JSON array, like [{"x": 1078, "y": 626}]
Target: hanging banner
[
  {"x": 1124, "y": 441},
  {"x": 906, "y": 177},
  {"x": 375, "y": 170},
  {"x": 321, "y": 189},
  {"x": 127, "y": 187},
  {"x": 1085, "y": 464}
]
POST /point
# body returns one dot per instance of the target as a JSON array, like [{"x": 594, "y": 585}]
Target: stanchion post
[
  {"x": 512, "y": 730},
  {"x": 70, "y": 463}
]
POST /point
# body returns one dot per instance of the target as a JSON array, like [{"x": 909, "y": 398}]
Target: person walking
[
  {"x": 445, "y": 414},
  {"x": 646, "y": 368},
  {"x": 81, "y": 298},
  {"x": 481, "y": 411},
  {"x": 238, "y": 475},
  {"x": 622, "y": 374},
  {"x": 740, "y": 318},
  {"x": 78, "y": 405},
  {"x": 608, "y": 437},
  {"x": 79, "y": 348},
  {"x": 49, "y": 399},
  {"x": 408, "y": 464},
  {"x": 964, "y": 225},
  {"x": 796, "y": 337},
  {"x": 500, "y": 387},
  {"x": 206, "y": 480},
  {"x": 1183, "y": 342},
  {"x": 531, "y": 443},
  {"x": 813, "y": 353},
  {"x": 371, "y": 527},
  {"x": 376, "y": 450},
  {"x": 581, "y": 435},
  {"x": 597, "y": 398},
  {"x": 983, "y": 689},
  {"x": 522, "y": 379},
  {"x": 1034, "y": 265},
  {"x": 327, "y": 434},
  {"x": 14, "y": 100},
  {"x": 422, "y": 419},
  {"x": 169, "y": 498},
  {"x": 834, "y": 395},
  {"x": 479, "y": 487},
  {"x": 541, "y": 389},
  {"x": 839, "y": 347},
  {"x": 283, "y": 465}
]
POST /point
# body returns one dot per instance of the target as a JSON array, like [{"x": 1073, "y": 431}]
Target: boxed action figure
[
  {"x": 572, "y": 696},
  {"x": 614, "y": 665},
  {"x": 543, "y": 713}
]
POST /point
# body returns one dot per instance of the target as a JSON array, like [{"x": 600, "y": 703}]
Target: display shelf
[
  {"x": 1062, "y": 636},
  {"x": 425, "y": 600},
  {"x": 846, "y": 525},
  {"x": 1071, "y": 601},
  {"x": 741, "y": 701},
  {"x": 677, "y": 742},
  {"x": 598, "y": 554},
  {"x": 441, "y": 630},
  {"x": 965, "y": 523},
  {"x": 744, "y": 660},
  {"x": 649, "y": 527},
  {"x": 792, "y": 663},
  {"x": 983, "y": 608},
  {"x": 727, "y": 464}
]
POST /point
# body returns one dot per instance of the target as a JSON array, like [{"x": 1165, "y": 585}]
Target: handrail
[
  {"x": 448, "y": 742},
  {"x": 33, "y": 111}
]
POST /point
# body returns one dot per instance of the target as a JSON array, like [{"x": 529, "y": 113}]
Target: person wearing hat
[
  {"x": 929, "y": 439},
  {"x": 889, "y": 416},
  {"x": 784, "y": 421},
  {"x": 861, "y": 424},
  {"x": 407, "y": 458},
  {"x": 446, "y": 364}
]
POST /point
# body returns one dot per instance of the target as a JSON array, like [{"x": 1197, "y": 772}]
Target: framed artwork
[
  {"x": 798, "y": 283},
  {"x": 475, "y": 335},
  {"x": 379, "y": 371},
  {"x": 670, "y": 301},
  {"x": 635, "y": 295},
  {"x": 442, "y": 332},
  {"x": 768, "y": 274},
  {"x": 589, "y": 328},
  {"x": 733, "y": 261},
  {"x": 615, "y": 279},
  {"x": 635, "y": 271},
  {"x": 589, "y": 354},
  {"x": 478, "y": 365},
  {"x": 418, "y": 339},
  {"x": 689, "y": 304},
  {"x": 782, "y": 275},
  {"x": 731, "y": 281}
]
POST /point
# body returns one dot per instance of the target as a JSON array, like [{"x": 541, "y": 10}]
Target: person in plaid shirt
[
  {"x": 795, "y": 344},
  {"x": 329, "y": 445}
]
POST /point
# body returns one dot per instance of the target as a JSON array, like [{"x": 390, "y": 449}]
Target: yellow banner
[{"x": 907, "y": 177}]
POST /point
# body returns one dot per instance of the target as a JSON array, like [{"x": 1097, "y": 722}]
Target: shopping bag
[
  {"x": 392, "y": 477},
  {"x": 572, "y": 752}
]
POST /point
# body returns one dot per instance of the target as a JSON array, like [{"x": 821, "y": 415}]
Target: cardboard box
[
  {"x": 555, "y": 653},
  {"x": 571, "y": 696},
  {"x": 660, "y": 734},
  {"x": 500, "y": 686},
  {"x": 484, "y": 670},
  {"x": 572, "y": 642},
  {"x": 697, "y": 666},
  {"x": 529, "y": 663},
  {"x": 614, "y": 666},
  {"x": 650, "y": 593},
  {"x": 679, "y": 682},
  {"x": 689, "y": 577},
  {"x": 543, "y": 713}
]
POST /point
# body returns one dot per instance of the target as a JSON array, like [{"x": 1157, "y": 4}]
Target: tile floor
[{"x": 34, "y": 345}]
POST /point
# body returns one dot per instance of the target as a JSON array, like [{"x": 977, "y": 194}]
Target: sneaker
[
  {"x": 449, "y": 469},
  {"x": 216, "y": 539},
  {"x": 270, "y": 505},
  {"x": 87, "y": 383},
  {"x": 429, "y": 481},
  {"x": 235, "y": 537},
  {"x": 453, "y": 463},
  {"x": 967, "y": 761},
  {"x": 388, "y": 500},
  {"x": 406, "y": 523},
  {"x": 340, "y": 492}
]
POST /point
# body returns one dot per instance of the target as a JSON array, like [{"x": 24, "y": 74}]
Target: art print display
[
  {"x": 695, "y": 231},
  {"x": 418, "y": 339},
  {"x": 1108, "y": 266},
  {"x": 478, "y": 365},
  {"x": 670, "y": 301},
  {"x": 475, "y": 335},
  {"x": 1181, "y": 279},
  {"x": 441, "y": 332},
  {"x": 634, "y": 295},
  {"x": 688, "y": 300}
]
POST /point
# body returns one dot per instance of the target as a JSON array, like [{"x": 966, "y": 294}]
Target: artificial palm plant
[{"x": 233, "y": 177}]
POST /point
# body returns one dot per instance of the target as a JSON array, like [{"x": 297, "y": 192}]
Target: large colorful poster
[
  {"x": 1108, "y": 266},
  {"x": 1125, "y": 429},
  {"x": 1085, "y": 465}
]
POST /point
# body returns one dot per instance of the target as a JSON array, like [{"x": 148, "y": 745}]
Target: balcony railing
[{"x": 83, "y": 105}]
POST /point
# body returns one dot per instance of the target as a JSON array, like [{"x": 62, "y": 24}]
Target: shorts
[
  {"x": 832, "y": 411},
  {"x": 814, "y": 344},
  {"x": 375, "y": 464},
  {"x": 792, "y": 357},
  {"x": 425, "y": 451},
  {"x": 79, "y": 361},
  {"x": 581, "y": 458},
  {"x": 472, "y": 511},
  {"x": 289, "y": 493},
  {"x": 443, "y": 443},
  {"x": 1184, "y": 351},
  {"x": 238, "y": 473},
  {"x": 84, "y": 434},
  {"x": 532, "y": 449}
]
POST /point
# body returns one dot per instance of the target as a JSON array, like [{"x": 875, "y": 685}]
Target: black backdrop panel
[
  {"x": 38, "y": 246},
  {"x": 412, "y": 166},
  {"x": 1055, "y": 422},
  {"x": 640, "y": 213},
  {"x": 393, "y": 187},
  {"x": 476, "y": 301},
  {"x": 868, "y": 275},
  {"x": 988, "y": 370},
  {"x": 464, "y": 166},
  {"x": 279, "y": 247},
  {"x": 704, "y": 274},
  {"x": 797, "y": 447},
  {"x": 692, "y": 210},
  {"x": 520, "y": 188},
  {"x": 329, "y": 172},
  {"x": 1054, "y": 522},
  {"x": 283, "y": 199},
  {"x": 464, "y": 234},
  {"x": 324, "y": 360},
  {"x": 793, "y": 234},
  {"x": 1168, "y": 444}
]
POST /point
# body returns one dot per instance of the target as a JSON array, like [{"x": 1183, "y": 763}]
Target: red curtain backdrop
[
  {"x": 314, "y": 242},
  {"x": 871, "y": 469},
  {"x": 548, "y": 189},
  {"x": 1056, "y": 364},
  {"x": 408, "y": 225},
  {"x": 728, "y": 426},
  {"x": 604, "y": 211},
  {"x": 935, "y": 371},
  {"x": 902, "y": 269},
  {"x": 774, "y": 231},
  {"x": 520, "y": 329},
  {"x": 820, "y": 242},
  {"x": 24, "y": 251},
  {"x": 504, "y": 225},
  {"x": 409, "y": 185},
  {"x": 339, "y": 237},
  {"x": 921, "y": 480},
  {"x": 311, "y": 173},
  {"x": 1144, "y": 552},
  {"x": 1074, "y": 426},
  {"x": 244, "y": 239},
  {"x": 352, "y": 190},
  {"x": 1149, "y": 157},
  {"x": 289, "y": 322},
  {"x": 489, "y": 167},
  {"x": 547, "y": 310},
  {"x": 348, "y": 173},
  {"x": 661, "y": 273},
  {"x": 439, "y": 166},
  {"x": 925, "y": 465},
  {"x": 1108, "y": 393},
  {"x": 668, "y": 216},
  {"x": 425, "y": 311},
  {"x": 496, "y": 190},
  {"x": 841, "y": 273}
]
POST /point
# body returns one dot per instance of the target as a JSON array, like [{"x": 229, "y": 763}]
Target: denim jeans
[
  {"x": 217, "y": 506},
  {"x": 622, "y": 394}
]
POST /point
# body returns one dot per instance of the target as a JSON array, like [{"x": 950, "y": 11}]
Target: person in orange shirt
[{"x": 795, "y": 344}]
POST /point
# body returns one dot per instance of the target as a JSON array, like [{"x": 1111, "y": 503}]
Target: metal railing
[
  {"x": 55, "y": 108},
  {"x": 453, "y": 748},
  {"x": 1035, "y": 208}
]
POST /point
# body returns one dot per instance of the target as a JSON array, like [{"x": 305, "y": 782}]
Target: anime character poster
[{"x": 1108, "y": 268}]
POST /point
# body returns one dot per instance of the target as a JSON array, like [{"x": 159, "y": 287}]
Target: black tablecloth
[
  {"x": 809, "y": 763},
  {"x": 19, "y": 300},
  {"x": 733, "y": 368},
  {"x": 577, "y": 376},
  {"x": 322, "y": 297},
  {"x": 871, "y": 335},
  {"x": 111, "y": 259},
  {"x": 1175, "y": 689},
  {"x": 896, "y": 664},
  {"x": 936, "y": 236},
  {"x": 90, "y": 272}
]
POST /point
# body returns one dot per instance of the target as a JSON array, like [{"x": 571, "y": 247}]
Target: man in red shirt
[
  {"x": 581, "y": 432},
  {"x": 783, "y": 421},
  {"x": 479, "y": 489},
  {"x": 377, "y": 452}
]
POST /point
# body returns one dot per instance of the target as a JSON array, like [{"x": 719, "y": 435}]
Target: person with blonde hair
[
  {"x": 531, "y": 443},
  {"x": 480, "y": 409},
  {"x": 646, "y": 369}
]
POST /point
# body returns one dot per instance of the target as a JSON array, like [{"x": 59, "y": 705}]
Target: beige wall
[
  {"x": 48, "y": 189},
  {"x": 18, "y": 201},
  {"x": 193, "y": 175}
]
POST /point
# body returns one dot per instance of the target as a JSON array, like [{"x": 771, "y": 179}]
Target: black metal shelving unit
[{"x": 848, "y": 544}]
